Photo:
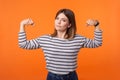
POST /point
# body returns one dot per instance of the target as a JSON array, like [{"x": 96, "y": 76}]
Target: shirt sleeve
[
  {"x": 95, "y": 42},
  {"x": 27, "y": 44}
]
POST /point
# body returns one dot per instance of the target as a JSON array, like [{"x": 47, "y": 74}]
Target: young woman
[{"x": 61, "y": 48}]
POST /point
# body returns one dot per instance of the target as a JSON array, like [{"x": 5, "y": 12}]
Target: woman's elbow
[{"x": 98, "y": 45}]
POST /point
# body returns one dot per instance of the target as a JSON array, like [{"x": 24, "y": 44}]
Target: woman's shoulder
[
  {"x": 44, "y": 36},
  {"x": 79, "y": 36}
]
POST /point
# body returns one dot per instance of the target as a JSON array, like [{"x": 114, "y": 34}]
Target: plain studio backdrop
[{"x": 101, "y": 63}]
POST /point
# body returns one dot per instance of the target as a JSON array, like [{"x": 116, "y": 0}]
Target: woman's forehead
[{"x": 62, "y": 15}]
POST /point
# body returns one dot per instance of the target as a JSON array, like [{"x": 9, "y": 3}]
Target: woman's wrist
[
  {"x": 22, "y": 28},
  {"x": 97, "y": 24},
  {"x": 97, "y": 28}
]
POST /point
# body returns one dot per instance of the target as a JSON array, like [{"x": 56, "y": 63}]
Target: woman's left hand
[{"x": 92, "y": 22}]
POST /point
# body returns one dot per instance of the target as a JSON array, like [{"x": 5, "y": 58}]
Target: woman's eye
[{"x": 64, "y": 20}]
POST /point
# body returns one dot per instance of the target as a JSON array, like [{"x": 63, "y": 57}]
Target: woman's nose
[{"x": 59, "y": 21}]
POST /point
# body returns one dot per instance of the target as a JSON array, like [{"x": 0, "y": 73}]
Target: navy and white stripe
[{"x": 60, "y": 54}]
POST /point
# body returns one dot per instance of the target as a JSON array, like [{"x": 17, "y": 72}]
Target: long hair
[{"x": 71, "y": 17}]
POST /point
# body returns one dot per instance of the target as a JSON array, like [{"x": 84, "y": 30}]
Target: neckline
[{"x": 60, "y": 38}]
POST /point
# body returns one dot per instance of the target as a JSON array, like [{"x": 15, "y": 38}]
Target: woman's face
[{"x": 61, "y": 23}]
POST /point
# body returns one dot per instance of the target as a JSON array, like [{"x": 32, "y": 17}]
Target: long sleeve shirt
[{"x": 60, "y": 54}]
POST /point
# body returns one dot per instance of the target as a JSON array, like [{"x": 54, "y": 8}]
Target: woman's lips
[{"x": 58, "y": 25}]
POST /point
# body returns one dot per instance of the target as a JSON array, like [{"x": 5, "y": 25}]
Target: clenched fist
[
  {"x": 91, "y": 22},
  {"x": 27, "y": 22}
]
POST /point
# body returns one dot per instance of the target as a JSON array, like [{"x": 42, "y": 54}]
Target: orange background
[{"x": 101, "y": 63}]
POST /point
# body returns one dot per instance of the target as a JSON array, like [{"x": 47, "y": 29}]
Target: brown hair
[{"x": 71, "y": 17}]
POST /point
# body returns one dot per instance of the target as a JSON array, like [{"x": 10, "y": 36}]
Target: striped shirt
[{"x": 60, "y": 54}]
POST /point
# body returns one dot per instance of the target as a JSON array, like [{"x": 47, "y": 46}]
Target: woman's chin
[{"x": 58, "y": 29}]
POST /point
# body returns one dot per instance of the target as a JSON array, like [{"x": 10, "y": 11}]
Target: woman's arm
[
  {"x": 22, "y": 38},
  {"x": 24, "y": 23},
  {"x": 97, "y": 40}
]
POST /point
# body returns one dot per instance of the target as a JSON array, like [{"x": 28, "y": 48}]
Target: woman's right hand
[{"x": 26, "y": 22}]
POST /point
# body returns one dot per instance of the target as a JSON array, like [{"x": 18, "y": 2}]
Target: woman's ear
[{"x": 69, "y": 25}]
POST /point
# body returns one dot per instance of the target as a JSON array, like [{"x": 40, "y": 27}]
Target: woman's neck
[{"x": 61, "y": 34}]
